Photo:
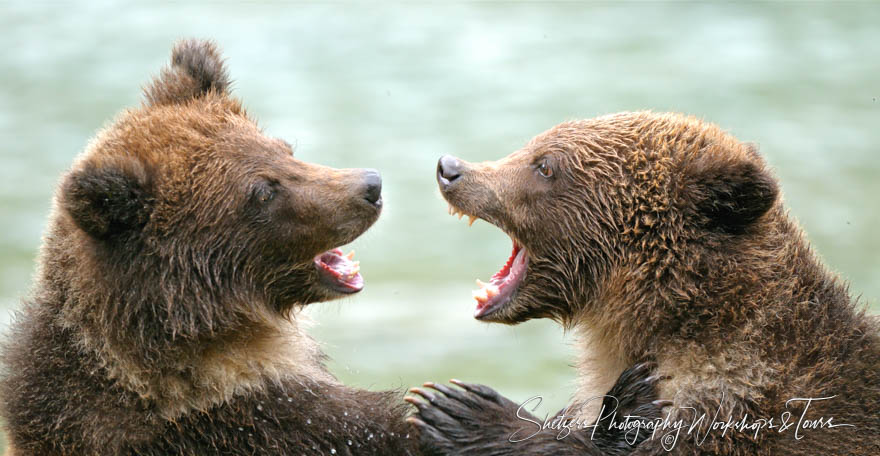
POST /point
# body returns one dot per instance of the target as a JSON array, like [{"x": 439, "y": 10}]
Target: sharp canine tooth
[
  {"x": 451, "y": 210},
  {"x": 492, "y": 291},
  {"x": 471, "y": 219}
]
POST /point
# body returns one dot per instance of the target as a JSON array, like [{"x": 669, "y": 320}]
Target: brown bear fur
[
  {"x": 165, "y": 316},
  {"x": 659, "y": 236}
]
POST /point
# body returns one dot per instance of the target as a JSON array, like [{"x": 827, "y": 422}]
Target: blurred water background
[{"x": 394, "y": 86}]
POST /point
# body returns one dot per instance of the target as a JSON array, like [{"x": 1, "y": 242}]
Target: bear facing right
[{"x": 660, "y": 236}]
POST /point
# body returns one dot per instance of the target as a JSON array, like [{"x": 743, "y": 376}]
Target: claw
[
  {"x": 423, "y": 393},
  {"x": 414, "y": 420},
  {"x": 451, "y": 393},
  {"x": 417, "y": 403}
]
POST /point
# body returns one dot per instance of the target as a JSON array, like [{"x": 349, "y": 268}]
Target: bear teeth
[
  {"x": 486, "y": 292},
  {"x": 453, "y": 211}
]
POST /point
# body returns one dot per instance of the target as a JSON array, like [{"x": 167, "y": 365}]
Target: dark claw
[
  {"x": 417, "y": 403},
  {"x": 636, "y": 391},
  {"x": 481, "y": 390},
  {"x": 437, "y": 417},
  {"x": 415, "y": 421},
  {"x": 457, "y": 403},
  {"x": 455, "y": 394},
  {"x": 641, "y": 368},
  {"x": 429, "y": 436},
  {"x": 427, "y": 395}
]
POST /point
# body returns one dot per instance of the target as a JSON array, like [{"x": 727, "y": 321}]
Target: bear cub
[{"x": 662, "y": 237}]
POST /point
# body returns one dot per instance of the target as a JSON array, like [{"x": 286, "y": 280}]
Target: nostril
[
  {"x": 448, "y": 169},
  {"x": 373, "y": 182}
]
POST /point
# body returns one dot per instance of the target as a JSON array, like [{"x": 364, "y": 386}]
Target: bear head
[
  {"x": 627, "y": 207},
  {"x": 184, "y": 226}
]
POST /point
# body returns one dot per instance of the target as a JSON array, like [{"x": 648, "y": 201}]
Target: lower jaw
[
  {"x": 338, "y": 273},
  {"x": 338, "y": 288},
  {"x": 486, "y": 312},
  {"x": 501, "y": 289}
]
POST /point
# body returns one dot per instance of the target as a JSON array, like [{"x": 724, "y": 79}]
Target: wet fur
[{"x": 670, "y": 241}]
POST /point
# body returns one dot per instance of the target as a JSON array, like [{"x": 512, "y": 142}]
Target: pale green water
[{"x": 395, "y": 86}]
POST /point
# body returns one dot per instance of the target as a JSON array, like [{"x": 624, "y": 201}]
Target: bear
[
  {"x": 165, "y": 316},
  {"x": 660, "y": 236}
]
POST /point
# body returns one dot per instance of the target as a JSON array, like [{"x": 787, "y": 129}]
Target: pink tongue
[
  {"x": 508, "y": 274},
  {"x": 342, "y": 268}
]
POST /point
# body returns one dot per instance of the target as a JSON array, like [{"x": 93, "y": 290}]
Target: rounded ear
[
  {"x": 733, "y": 195},
  {"x": 107, "y": 199},
  {"x": 196, "y": 69}
]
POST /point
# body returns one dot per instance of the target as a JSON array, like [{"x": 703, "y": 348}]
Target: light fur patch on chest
[
  {"x": 599, "y": 365},
  {"x": 277, "y": 349}
]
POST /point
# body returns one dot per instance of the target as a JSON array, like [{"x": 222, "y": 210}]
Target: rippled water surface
[{"x": 395, "y": 86}]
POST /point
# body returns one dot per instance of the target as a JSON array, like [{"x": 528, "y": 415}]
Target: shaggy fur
[
  {"x": 165, "y": 317},
  {"x": 658, "y": 236}
]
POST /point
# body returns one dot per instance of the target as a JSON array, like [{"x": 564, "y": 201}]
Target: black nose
[
  {"x": 448, "y": 170},
  {"x": 373, "y": 182}
]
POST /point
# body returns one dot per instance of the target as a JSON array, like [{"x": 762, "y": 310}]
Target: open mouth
[
  {"x": 499, "y": 290},
  {"x": 339, "y": 272}
]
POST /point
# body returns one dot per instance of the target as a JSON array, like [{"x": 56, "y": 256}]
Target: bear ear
[
  {"x": 107, "y": 199},
  {"x": 733, "y": 195},
  {"x": 196, "y": 69}
]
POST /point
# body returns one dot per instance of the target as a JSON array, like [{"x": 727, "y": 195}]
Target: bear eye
[
  {"x": 544, "y": 169},
  {"x": 265, "y": 192}
]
